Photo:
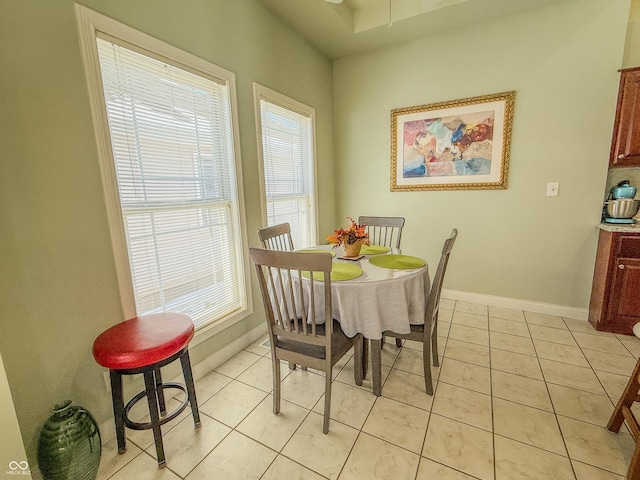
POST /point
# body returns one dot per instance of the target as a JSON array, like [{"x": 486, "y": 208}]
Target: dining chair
[
  {"x": 298, "y": 314},
  {"x": 276, "y": 237},
  {"x": 428, "y": 333},
  {"x": 385, "y": 231}
]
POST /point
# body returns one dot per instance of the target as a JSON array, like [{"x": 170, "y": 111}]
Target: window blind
[
  {"x": 287, "y": 145},
  {"x": 172, "y": 142}
]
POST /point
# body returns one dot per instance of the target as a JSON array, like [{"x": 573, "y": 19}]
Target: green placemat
[
  {"x": 374, "y": 249},
  {"x": 397, "y": 261},
  {"x": 339, "y": 271},
  {"x": 317, "y": 250}
]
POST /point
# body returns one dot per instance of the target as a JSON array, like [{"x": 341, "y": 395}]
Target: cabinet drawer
[{"x": 629, "y": 246}]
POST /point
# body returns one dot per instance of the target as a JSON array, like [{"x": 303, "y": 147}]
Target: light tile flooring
[{"x": 518, "y": 395}]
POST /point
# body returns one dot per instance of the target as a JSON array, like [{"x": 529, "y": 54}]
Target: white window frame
[
  {"x": 261, "y": 92},
  {"x": 90, "y": 24}
]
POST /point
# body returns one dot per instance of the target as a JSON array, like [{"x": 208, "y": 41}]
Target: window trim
[
  {"x": 260, "y": 92},
  {"x": 92, "y": 24}
]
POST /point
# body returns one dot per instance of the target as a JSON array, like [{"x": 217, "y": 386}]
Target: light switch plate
[{"x": 552, "y": 189}]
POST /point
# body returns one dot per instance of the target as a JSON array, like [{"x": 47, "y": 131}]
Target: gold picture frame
[{"x": 454, "y": 145}]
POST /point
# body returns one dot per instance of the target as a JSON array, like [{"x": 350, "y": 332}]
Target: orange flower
[{"x": 351, "y": 234}]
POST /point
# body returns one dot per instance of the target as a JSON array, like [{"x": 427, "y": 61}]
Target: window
[
  {"x": 171, "y": 169},
  {"x": 286, "y": 145}
]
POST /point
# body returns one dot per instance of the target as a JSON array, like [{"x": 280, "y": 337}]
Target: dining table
[{"x": 383, "y": 289}]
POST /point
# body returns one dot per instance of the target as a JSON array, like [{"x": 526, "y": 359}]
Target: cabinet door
[
  {"x": 625, "y": 149},
  {"x": 624, "y": 309}
]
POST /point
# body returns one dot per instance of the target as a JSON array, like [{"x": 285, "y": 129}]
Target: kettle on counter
[{"x": 622, "y": 190}]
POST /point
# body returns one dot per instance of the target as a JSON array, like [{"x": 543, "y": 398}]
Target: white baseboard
[
  {"x": 212, "y": 361},
  {"x": 526, "y": 305},
  {"x": 199, "y": 370}
]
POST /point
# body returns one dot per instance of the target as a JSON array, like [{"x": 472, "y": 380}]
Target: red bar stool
[{"x": 144, "y": 345}]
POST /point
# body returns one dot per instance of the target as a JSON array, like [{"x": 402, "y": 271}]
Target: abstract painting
[{"x": 454, "y": 145}]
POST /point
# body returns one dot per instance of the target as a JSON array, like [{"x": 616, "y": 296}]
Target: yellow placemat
[
  {"x": 339, "y": 271},
  {"x": 397, "y": 261},
  {"x": 317, "y": 250},
  {"x": 374, "y": 249}
]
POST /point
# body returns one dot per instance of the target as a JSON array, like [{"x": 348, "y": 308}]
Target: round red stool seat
[
  {"x": 144, "y": 345},
  {"x": 143, "y": 341}
]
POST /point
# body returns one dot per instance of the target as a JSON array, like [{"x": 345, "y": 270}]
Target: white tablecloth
[{"x": 380, "y": 299}]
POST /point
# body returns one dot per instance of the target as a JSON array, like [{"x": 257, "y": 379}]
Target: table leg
[{"x": 376, "y": 366}]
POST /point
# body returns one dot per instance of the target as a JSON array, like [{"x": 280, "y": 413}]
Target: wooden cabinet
[
  {"x": 615, "y": 295},
  {"x": 625, "y": 148}
]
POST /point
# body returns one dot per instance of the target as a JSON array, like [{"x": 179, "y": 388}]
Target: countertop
[{"x": 612, "y": 227}]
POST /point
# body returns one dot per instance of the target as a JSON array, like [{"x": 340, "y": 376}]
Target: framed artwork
[{"x": 455, "y": 145}]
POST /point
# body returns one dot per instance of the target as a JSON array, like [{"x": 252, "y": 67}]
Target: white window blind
[
  {"x": 172, "y": 141},
  {"x": 289, "y": 169}
]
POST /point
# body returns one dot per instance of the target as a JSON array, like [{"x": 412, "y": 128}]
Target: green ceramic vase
[{"x": 69, "y": 445}]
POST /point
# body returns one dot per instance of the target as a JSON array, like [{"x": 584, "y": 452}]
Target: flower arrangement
[{"x": 349, "y": 235}]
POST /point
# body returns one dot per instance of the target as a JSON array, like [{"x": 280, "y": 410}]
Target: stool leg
[
  {"x": 160, "y": 391},
  {"x": 152, "y": 400},
  {"x": 627, "y": 398},
  {"x": 118, "y": 409},
  {"x": 191, "y": 389}
]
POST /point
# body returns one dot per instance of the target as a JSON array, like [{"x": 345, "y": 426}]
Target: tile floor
[{"x": 518, "y": 395}]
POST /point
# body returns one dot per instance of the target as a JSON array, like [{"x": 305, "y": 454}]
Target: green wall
[
  {"x": 515, "y": 243},
  {"x": 59, "y": 288}
]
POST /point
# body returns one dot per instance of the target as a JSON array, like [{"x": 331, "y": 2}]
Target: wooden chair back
[
  {"x": 276, "y": 237},
  {"x": 386, "y": 231}
]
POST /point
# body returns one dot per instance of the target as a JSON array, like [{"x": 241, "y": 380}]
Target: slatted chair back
[
  {"x": 386, "y": 231},
  {"x": 276, "y": 237}
]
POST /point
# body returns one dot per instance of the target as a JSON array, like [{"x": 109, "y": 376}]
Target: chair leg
[
  {"x": 633, "y": 473},
  {"x": 434, "y": 341},
  {"x": 118, "y": 409},
  {"x": 152, "y": 400},
  {"x": 627, "y": 398},
  {"x": 398, "y": 342},
  {"x": 358, "y": 366},
  {"x": 365, "y": 357},
  {"x": 426, "y": 365},
  {"x": 376, "y": 366},
  {"x": 275, "y": 364},
  {"x": 327, "y": 398},
  {"x": 191, "y": 389}
]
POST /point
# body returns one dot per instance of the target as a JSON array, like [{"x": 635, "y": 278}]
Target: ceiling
[{"x": 348, "y": 27}]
